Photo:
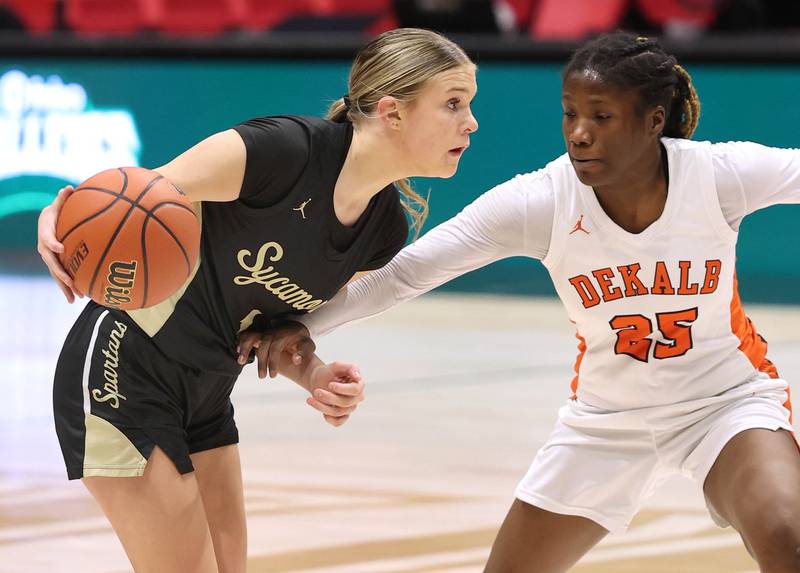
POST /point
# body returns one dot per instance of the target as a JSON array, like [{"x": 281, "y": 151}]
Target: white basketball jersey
[{"x": 657, "y": 313}]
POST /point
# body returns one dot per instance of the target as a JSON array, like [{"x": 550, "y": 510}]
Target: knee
[{"x": 776, "y": 547}]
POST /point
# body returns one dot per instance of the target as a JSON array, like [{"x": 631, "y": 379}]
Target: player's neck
[
  {"x": 638, "y": 201},
  {"x": 369, "y": 167}
]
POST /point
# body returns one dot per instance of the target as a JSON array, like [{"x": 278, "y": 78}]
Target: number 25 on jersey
[{"x": 634, "y": 334}]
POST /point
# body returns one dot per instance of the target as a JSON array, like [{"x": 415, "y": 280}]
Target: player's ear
[
  {"x": 656, "y": 120},
  {"x": 388, "y": 109}
]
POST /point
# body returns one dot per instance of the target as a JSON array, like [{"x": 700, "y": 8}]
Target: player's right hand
[
  {"x": 336, "y": 391},
  {"x": 49, "y": 247}
]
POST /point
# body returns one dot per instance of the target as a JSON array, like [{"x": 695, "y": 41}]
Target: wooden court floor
[{"x": 461, "y": 392}]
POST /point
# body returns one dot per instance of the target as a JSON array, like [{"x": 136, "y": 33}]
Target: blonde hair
[{"x": 397, "y": 63}]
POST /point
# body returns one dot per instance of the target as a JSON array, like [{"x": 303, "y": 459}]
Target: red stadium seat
[
  {"x": 347, "y": 7},
  {"x": 375, "y": 16},
  {"x": 297, "y": 14},
  {"x": 576, "y": 19},
  {"x": 664, "y": 12},
  {"x": 111, "y": 17},
  {"x": 202, "y": 17},
  {"x": 385, "y": 22},
  {"x": 38, "y": 16},
  {"x": 524, "y": 11},
  {"x": 266, "y": 14}
]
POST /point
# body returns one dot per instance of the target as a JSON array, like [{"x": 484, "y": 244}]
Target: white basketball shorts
[{"x": 603, "y": 465}]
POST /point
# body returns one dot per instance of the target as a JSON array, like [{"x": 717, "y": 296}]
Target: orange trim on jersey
[
  {"x": 581, "y": 352},
  {"x": 752, "y": 344}
]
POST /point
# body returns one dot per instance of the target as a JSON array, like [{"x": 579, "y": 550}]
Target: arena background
[
  {"x": 463, "y": 385},
  {"x": 156, "y": 107}
]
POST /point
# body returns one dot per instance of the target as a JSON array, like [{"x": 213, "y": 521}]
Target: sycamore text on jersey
[
  {"x": 625, "y": 282},
  {"x": 271, "y": 279}
]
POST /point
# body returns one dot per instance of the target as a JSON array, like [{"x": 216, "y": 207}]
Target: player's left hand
[{"x": 336, "y": 390}]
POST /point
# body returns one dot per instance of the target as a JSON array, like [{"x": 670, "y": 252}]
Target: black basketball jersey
[{"x": 278, "y": 249}]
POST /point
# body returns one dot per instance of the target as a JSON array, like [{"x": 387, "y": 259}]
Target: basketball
[{"x": 131, "y": 238}]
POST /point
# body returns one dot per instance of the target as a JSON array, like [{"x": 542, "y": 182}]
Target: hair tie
[{"x": 346, "y": 100}]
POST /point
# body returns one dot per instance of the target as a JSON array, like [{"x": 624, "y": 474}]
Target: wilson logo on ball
[
  {"x": 131, "y": 239},
  {"x": 121, "y": 277}
]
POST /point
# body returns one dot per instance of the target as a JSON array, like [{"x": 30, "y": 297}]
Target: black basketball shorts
[{"x": 116, "y": 396}]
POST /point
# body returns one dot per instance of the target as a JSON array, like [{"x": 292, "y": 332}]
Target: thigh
[
  {"x": 158, "y": 517},
  {"x": 114, "y": 399},
  {"x": 533, "y": 539},
  {"x": 753, "y": 485},
  {"x": 219, "y": 476}
]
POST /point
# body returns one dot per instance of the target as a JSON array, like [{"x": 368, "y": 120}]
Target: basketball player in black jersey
[{"x": 292, "y": 208}]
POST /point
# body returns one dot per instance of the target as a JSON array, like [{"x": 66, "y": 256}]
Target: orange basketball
[{"x": 131, "y": 238}]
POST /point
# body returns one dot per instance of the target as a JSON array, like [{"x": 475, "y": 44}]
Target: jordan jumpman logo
[
  {"x": 302, "y": 207},
  {"x": 579, "y": 226}
]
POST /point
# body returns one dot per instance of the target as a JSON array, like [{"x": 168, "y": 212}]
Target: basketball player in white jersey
[{"x": 637, "y": 226}]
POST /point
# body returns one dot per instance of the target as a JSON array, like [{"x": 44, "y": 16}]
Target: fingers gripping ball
[{"x": 130, "y": 237}]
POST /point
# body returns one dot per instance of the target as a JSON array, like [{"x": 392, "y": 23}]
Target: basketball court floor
[{"x": 461, "y": 391}]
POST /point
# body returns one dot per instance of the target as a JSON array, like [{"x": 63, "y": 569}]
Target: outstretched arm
[
  {"x": 514, "y": 218},
  {"x": 495, "y": 226}
]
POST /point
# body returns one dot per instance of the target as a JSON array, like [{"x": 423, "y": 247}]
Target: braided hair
[{"x": 626, "y": 60}]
